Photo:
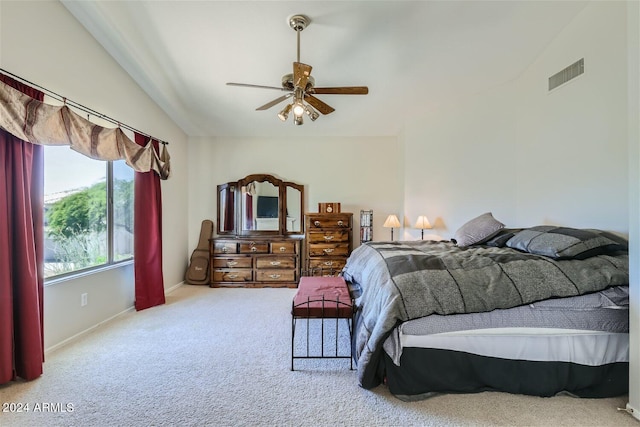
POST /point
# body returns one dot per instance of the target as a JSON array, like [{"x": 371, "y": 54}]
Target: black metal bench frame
[{"x": 326, "y": 305}]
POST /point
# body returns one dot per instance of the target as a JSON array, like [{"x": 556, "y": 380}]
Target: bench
[{"x": 322, "y": 298}]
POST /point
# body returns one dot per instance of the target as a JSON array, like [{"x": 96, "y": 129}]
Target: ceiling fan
[{"x": 300, "y": 86}]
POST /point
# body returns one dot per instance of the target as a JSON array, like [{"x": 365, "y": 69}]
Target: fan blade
[
  {"x": 274, "y": 102},
  {"x": 301, "y": 73},
  {"x": 346, "y": 90},
  {"x": 319, "y": 105},
  {"x": 257, "y": 86}
]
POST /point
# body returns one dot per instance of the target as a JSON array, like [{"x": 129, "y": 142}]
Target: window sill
[{"x": 80, "y": 274}]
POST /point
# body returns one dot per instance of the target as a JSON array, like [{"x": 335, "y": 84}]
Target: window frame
[{"x": 110, "y": 233}]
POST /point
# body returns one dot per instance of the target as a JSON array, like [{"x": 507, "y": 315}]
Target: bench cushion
[{"x": 319, "y": 297}]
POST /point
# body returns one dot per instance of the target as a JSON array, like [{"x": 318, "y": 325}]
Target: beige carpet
[{"x": 220, "y": 357}]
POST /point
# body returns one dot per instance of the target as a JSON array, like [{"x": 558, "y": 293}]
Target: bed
[{"x": 538, "y": 311}]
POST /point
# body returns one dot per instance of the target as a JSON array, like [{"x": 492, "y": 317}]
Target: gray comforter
[{"x": 401, "y": 281}]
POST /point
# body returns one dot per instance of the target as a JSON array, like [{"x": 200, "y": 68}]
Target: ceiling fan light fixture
[
  {"x": 298, "y": 120},
  {"x": 313, "y": 114},
  {"x": 298, "y": 109},
  {"x": 284, "y": 114}
]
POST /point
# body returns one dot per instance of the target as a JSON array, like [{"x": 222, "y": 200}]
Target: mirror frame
[
  {"x": 236, "y": 188},
  {"x": 230, "y": 187}
]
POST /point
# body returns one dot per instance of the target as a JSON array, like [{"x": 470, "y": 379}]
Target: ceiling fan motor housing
[
  {"x": 299, "y": 22},
  {"x": 287, "y": 82}
]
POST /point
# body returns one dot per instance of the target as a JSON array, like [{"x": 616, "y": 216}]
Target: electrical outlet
[{"x": 84, "y": 300}]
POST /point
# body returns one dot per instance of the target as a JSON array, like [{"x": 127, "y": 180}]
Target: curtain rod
[{"x": 79, "y": 106}]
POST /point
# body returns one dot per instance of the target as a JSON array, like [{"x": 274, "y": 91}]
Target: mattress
[{"x": 590, "y": 330}]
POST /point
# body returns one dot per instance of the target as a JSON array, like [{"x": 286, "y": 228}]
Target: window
[{"x": 88, "y": 212}]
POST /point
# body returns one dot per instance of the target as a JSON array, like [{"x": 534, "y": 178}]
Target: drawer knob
[
  {"x": 328, "y": 237},
  {"x": 340, "y": 223},
  {"x": 328, "y": 263},
  {"x": 233, "y": 276},
  {"x": 275, "y": 263},
  {"x": 232, "y": 263},
  {"x": 316, "y": 223},
  {"x": 274, "y": 276},
  {"x": 282, "y": 248},
  {"x": 253, "y": 249},
  {"x": 328, "y": 250},
  {"x": 225, "y": 249}
]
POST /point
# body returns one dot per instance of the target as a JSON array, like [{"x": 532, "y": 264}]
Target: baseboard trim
[
  {"x": 634, "y": 413},
  {"x": 97, "y": 325},
  {"x": 173, "y": 288}
]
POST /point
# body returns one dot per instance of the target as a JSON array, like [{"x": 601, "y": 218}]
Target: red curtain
[
  {"x": 147, "y": 240},
  {"x": 21, "y": 253}
]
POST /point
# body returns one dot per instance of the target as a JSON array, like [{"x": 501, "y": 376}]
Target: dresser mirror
[
  {"x": 260, "y": 204},
  {"x": 294, "y": 212}
]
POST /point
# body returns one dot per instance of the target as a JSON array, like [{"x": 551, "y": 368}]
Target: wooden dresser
[
  {"x": 267, "y": 262},
  {"x": 258, "y": 242},
  {"x": 328, "y": 242}
]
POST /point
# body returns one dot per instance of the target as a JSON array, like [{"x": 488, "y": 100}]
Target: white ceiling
[{"x": 413, "y": 56}]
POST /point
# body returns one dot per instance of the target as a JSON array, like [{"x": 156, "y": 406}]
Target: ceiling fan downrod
[{"x": 299, "y": 23}]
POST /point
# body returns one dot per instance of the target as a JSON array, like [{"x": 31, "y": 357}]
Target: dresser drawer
[
  {"x": 240, "y": 262},
  {"x": 232, "y": 275},
  {"x": 329, "y": 221},
  {"x": 225, "y": 247},
  {"x": 324, "y": 272},
  {"x": 329, "y": 249},
  {"x": 282, "y": 247},
  {"x": 327, "y": 263},
  {"x": 254, "y": 247},
  {"x": 269, "y": 275},
  {"x": 275, "y": 262},
  {"x": 329, "y": 236}
]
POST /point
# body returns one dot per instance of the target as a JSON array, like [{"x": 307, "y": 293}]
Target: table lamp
[
  {"x": 391, "y": 222},
  {"x": 422, "y": 222}
]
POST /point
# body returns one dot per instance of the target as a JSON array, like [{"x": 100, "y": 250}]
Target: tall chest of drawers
[
  {"x": 328, "y": 242},
  {"x": 255, "y": 263}
]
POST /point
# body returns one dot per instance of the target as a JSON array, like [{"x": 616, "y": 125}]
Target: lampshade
[
  {"x": 422, "y": 222},
  {"x": 391, "y": 222}
]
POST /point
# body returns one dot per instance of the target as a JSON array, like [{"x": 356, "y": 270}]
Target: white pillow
[{"x": 478, "y": 230}]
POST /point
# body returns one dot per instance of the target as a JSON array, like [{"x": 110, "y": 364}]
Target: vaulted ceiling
[{"x": 413, "y": 56}]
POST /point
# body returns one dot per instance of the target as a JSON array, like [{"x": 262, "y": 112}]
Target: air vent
[{"x": 563, "y": 76}]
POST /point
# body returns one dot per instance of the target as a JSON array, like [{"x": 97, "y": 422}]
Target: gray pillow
[
  {"x": 566, "y": 243},
  {"x": 478, "y": 230},
  {"x": 502, "y": 237}
]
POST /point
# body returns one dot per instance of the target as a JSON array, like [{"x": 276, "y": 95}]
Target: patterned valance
[{"x": 39, "y": 123}]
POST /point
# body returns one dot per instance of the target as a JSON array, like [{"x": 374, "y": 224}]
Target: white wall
[
  {"x": 359, "y": 173},
  {"x": 456, "y": 159},
  {"x": 43, "y": 43},
  {"x": 572, "y": 142},
  {"x": 633, "y": 52},
  {"x": 530, "y": 156}
]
